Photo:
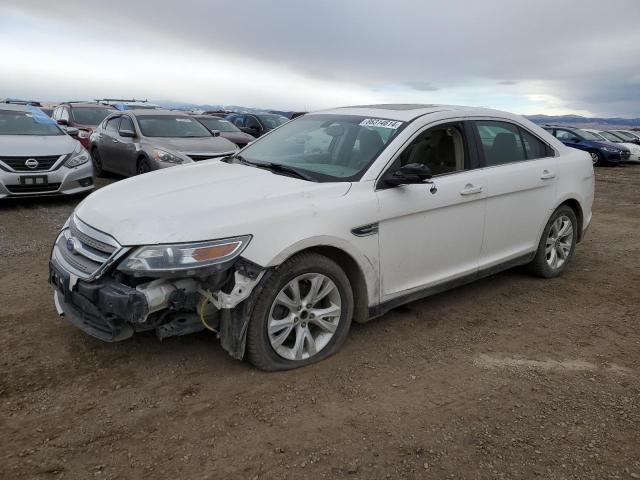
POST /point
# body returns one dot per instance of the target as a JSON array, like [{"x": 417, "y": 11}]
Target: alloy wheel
[
  {"x": 594, "y": 157},
  {"x": 304, "y": 316},
  {"x": 559, "y": 242}
]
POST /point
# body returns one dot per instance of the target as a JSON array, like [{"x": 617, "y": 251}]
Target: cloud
[{"x": 442, "y": 49}]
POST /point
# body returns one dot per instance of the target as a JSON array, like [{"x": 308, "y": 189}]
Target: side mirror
[
  {"x": 127, "y": 133},
  {"x": 576, "y": 140},
  {"x": 72, "y": 132},
  {"x": 62, "y": 121},
  {"x": 215, "y": 133},
  {"x": 408, "y": 174}
]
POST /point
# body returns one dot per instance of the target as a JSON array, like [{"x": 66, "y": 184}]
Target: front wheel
[
  {"x": 557, "y": 245},
  {"x": 596, "y": 158},
  {"x": 302, "y": 315},
  {"x": 97, "y": 162},
  {"x": 143, "y": 166}
]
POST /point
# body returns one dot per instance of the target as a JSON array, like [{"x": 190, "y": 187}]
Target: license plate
[
  {"x": 59, "y": 280},
  {"x": 34, "y": 180}
]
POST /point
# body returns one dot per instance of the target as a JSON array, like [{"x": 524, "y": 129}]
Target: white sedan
[
  {"x": 336, "y": 216},
  {"x": 612, "y": 137}
]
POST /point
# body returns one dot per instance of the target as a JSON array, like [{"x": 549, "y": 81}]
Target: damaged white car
[{"x": 335, "y": 216}]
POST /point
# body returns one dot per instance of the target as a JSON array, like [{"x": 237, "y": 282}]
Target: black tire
[
  {"x": 143, "y": 166},
  {"x": 597, "y": 158},
  {"x": 259, "y": 348},
  {"x": 97, "y": 162},
  {"x": 540, "y": 265}
]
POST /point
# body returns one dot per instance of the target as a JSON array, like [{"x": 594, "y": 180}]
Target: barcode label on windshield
[{"x": 379, "y": 122}]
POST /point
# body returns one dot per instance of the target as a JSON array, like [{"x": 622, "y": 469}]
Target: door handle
[
  {"x": 470, "y": 190},
  {"x": 114, "y": 140},
  {"x": 547, "y": 175}
]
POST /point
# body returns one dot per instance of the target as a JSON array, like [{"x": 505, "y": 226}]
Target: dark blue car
[{"x": 602, "y": 153}]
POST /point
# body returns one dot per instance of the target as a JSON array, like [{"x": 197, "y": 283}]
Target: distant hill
[
  {"x": 568, "y": 120},
  {"x": 586, "y": 122}
]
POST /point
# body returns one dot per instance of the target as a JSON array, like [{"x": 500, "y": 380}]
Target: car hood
[
  {"x": 200, "y": 145},
  {"x": 610, "y": 145},
  {"x": 239, "y": 137},
  {"x": 36, "y": 145},
  {"x": 201, "y": 201}
]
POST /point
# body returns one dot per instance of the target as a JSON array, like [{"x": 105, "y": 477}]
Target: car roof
[
  {"x": 406, "y": 112},
  {"x": 87, "y": 104},
  {"x": 13, "y": 107},
  {"x": 152, "y": 111}
]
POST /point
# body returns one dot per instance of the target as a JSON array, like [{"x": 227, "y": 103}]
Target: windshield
[
  {"x": 177, "y": 126},
  {"x": 590, "y": 136},
  {"x": 24, "y": 123},
  {"x": 326, "y": 147},
  {"x": 90, "y": 115},
  {"x": 625, "y": 136},
  {"x": 272, "y": 121},
  {"x": 611, "y": 137},
  {"x": 220, "y": 124}
]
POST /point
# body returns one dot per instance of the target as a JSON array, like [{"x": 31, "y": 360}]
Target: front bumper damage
[{"x": 110, "y": 310}]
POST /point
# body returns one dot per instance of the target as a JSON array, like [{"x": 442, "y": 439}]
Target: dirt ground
[{"x": 511, "y": 377}]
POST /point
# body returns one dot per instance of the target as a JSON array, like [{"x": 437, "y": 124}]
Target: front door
[{"x": 432, "y": 233}]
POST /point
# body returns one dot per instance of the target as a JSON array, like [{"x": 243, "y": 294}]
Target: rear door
[{"x": 522, "y": 178}]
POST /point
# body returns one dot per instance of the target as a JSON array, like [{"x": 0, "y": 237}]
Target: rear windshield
[
  {"x": 272, "y": 121},
  {"x": 220, "y": 124},
  {"x": 24, "y": 123},
  {"x": 90, "y": 115},
  {"x": 176, "y": 126}
]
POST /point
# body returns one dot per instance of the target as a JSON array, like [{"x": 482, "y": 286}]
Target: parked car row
[{"x": 604, "y": 147}]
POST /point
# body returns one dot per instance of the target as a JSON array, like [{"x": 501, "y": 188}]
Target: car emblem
[
  {"x": 72, "y": 245},
  {"x": 31, "y": 163}
]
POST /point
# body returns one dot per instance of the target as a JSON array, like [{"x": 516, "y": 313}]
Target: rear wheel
[
  {"x": 143, "y": 166},
  {"x": 302, "y": 315},
  {"x": 557, "y": 245},
  {"x": 97, "y": 162}
]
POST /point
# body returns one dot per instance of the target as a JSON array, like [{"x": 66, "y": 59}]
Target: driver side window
[
  {"x": 565, "y": 135},
  {"x": 441, "y": 148}
]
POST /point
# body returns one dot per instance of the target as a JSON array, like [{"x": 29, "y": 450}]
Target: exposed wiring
[{"x": 207, "y": 297}]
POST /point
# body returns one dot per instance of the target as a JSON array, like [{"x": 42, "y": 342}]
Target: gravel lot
[{"x": 511, "y": 377}]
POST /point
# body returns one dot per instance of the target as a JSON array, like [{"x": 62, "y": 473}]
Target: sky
[{"x": 530, "y": 57}]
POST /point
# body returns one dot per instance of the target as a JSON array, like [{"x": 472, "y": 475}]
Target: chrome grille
[
  {"x": 19, "y": 164},
  {"x": 85, "y": 251}
]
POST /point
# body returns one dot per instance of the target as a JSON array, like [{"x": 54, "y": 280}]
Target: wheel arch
[
  {"x": 575, "y": 205},
  {"x": 354, "y": 274}
]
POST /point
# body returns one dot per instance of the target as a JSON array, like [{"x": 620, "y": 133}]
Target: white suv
[{"x": 335, "y": 216}]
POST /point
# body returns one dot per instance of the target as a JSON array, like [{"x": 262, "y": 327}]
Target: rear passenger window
[
  {"x": 533, "y": 146},
  {"x": 501, "y": 142}
]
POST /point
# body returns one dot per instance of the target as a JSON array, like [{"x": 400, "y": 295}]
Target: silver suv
[
  {"x": 37, "y": 157},
  {"x": 138, "y": 141}
]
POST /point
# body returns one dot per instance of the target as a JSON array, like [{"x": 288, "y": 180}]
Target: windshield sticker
[{"x": 379, "y": 122}]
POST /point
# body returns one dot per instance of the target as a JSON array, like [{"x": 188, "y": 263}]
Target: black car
[
  {"x": 227, "y": 129},
  {"x": 256, "y": 124},
  {"x": 602, "y": 153}
]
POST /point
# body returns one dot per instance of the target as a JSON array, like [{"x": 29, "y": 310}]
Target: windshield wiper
[
  {"x": 275, "y": 167},
  {"x": 278, "y": 167}
]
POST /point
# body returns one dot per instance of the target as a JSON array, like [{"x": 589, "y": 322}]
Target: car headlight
[
  {"x": 78, "y": 157},
  {"x": 84, "y": 133},
  {"x": 165, "y": 156},
  {"x": 611, "y": 149},
  {"x": 183, "y": 256}
]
